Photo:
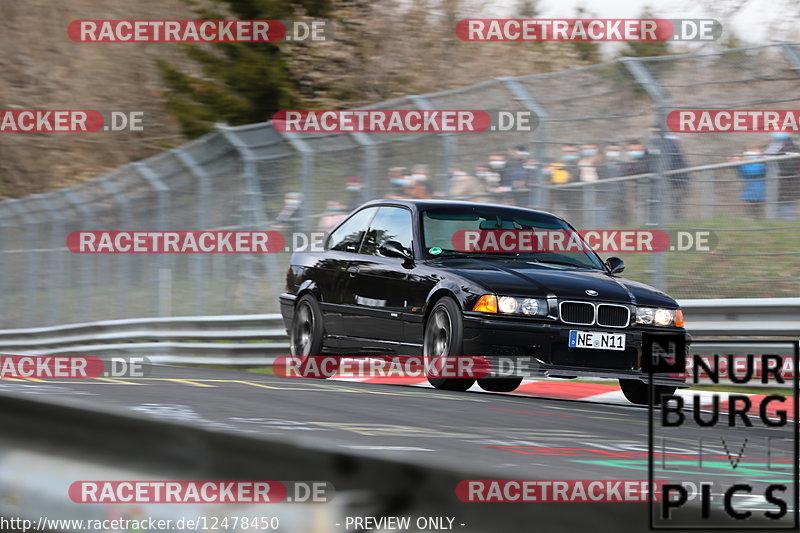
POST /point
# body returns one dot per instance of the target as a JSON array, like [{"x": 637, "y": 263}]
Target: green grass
[{"x": 716, "y": 270}]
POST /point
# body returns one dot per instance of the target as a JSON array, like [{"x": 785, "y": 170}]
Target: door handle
[{"x": 352, "y": 271}]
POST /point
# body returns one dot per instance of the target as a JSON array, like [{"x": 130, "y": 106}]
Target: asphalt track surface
[{"x": 514, "y": 436}]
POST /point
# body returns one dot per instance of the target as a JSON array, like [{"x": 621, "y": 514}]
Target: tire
[
  {"x": 444, "y": 336},
  {"x": 635, "y": 390},
  {"x": 306, "y": 338},
  {"x": 500, "y": 384}
]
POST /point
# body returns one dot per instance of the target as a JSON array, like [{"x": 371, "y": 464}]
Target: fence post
[
  {"x": 252, "y": 213},
  {"x": 5, "y": 303},
  {"x": 590, "y": 206},
  {"x": 658, "y": 182},
  {"x": 709, "y": 186},
  {"x": 771, "y": 209},
  {"x": 449, "y": 142},
  {"x": 197, "y": 270},
  {"x": 31, "y": 231},
  {"x": 57, "y": 245},
  {"x": 538, "y": 194},
  {"x": 162, "y": 303},
  {"x": 85, "y": 260},
  {"x": 306, "y": 174},
  {"x": 124, "y": 265},
  {"x": 369, "y": 164},
  {"x": 792, "y": 55}
]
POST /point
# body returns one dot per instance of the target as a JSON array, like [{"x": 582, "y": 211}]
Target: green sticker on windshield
[{"x": 435, "y": 250}]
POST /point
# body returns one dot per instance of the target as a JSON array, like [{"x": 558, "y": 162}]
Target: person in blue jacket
[{"x": 754, "y": 186}]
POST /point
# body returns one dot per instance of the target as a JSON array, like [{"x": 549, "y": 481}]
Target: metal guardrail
[
  {"x": 743, "y": 317},
  {"x": 233, "y": 339},
  {"x": 257, "y": 339}
]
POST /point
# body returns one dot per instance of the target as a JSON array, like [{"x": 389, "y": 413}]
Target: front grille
[
  {"x": 577, "y": 313},
  {"x": 615, "y": 316}
]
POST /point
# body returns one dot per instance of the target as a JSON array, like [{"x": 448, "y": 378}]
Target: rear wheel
[
  {"x": 500, "y": 384},
  {"x": 635, "y": 390},
  {"x": 306, "y": 340},
  {"x": 443, "y": 339}
]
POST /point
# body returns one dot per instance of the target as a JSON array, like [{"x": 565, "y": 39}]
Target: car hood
[{"x": 521, "y": 278}]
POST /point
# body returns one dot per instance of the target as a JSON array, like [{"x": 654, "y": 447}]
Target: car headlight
[
  {"x": 652, "y": 316},
  {"x": 510, "y": 305}
]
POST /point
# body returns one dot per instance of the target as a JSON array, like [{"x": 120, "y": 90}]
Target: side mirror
[
  {"x": 394, "y": 249},
  {"x": 615, "y": 265}
]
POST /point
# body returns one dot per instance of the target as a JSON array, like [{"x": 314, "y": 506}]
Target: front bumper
[
  {"x": 287, "y": 302},
  {"x": 539, "y": 348}
]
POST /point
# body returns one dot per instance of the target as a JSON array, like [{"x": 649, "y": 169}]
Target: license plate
[{"x": 596, "y": 340}]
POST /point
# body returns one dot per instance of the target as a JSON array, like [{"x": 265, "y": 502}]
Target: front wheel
[
  {"x": 306, "y": 341},
  {"x": 635, "y": 390},
  {"x": 443, "y": 341}
]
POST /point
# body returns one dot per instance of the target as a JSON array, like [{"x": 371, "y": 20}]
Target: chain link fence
[{"x": 255, "y": 177}]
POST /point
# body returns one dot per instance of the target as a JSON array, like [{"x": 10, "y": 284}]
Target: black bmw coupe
[{"x": 394, "y": 279}]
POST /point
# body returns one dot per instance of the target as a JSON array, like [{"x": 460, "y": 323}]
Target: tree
[
  {"x": 588, "y": 51},
  {"x": 528, "y": 9},
  {"x": 645, "y": 48},
  {"x": 238, "y": 83}
]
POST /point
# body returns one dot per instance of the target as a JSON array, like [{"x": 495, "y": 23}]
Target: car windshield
[{"x": 502, "y": 233}]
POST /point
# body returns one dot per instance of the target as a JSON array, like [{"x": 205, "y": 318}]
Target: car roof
[{"x": 417, "y": 204}]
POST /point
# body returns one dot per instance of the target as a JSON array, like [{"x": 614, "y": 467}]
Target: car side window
[
  {"x": 347, "y": 237},
  {"x": 390, "y": 224}
]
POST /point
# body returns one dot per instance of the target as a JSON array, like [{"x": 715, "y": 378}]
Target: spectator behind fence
[
  {"x": 397, "y": 182},
  {"x": 353, "y": 187},
  {"x": 463, "y": 186},
  {"x": 497, "y": 165},
  {"x": 788, "y": 174},
  {"x": 532, "y": 167},
  {"x": 335, "y": 212},
  {"x": 612, "y": 195},
  {"x": 289, "y": 217},
  {"x": 489, "y": 178},
  {"x": 566, "y": 171},
  {"x": 587, "y": 163},
  {"x": 514, "y": 177},
  {"x": 678, "y": 183},
  {"x": 754, "y": 188},
  {"x": 416, "y": 189},
  {"x": 420, "y": 173}
]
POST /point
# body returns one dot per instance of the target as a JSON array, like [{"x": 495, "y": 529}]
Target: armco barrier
[
  {"x": 743, "y": 317},
  {"x": 234, "y": 339},
  {"x": 257, "y": 339}
]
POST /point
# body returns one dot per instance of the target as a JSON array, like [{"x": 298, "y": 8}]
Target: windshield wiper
[
  {"x": 456, "y": 253},
  {"x": 564, "y": 263}
]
